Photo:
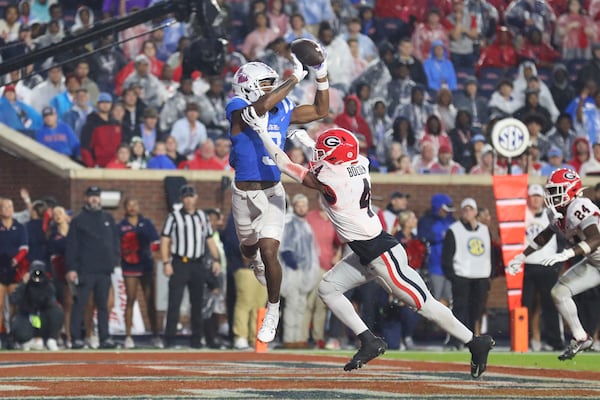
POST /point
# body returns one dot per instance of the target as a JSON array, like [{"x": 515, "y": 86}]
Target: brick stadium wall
[{"x": 16, "y": 173}]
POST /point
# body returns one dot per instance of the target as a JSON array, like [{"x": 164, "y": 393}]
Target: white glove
[
  {"x": 321, "y": 69},
  {"x": 259, "y": 123},
  {"x": 516, "y": 264},
  {"x": 299, "y": 71},
  {"x": 302, "y": 136},
  {"x": 559, "y": 257}
]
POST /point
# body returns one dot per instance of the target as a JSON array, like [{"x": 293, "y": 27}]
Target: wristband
[
  {"x": 323, "y": 85},
  {"x": 585, "y": 247}
]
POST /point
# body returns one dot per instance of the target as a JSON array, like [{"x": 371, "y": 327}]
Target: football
[{"x": 308, "y": 52}]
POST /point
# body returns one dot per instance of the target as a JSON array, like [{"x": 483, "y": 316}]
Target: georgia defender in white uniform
[
  {"x": 342, "y": 177},
  {"x": 578, "y": 220}
]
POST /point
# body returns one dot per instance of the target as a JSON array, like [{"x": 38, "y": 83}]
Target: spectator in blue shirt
[
  {"x": 63, "y": 102},
  {"x": 18, "y": 115},
  {"x": 555, "y": 161},
  {"x": 314, "y": 12},
  {"x": 57, "y": 135},
  {"x": 431, "y": 229},
  {"x": 160, "y": 159},
  {"x": 439, "y": 69}
]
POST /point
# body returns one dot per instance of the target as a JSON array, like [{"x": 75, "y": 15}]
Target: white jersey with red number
[
  {"x": 348, "y": 201},
  {"x": 580, "y": 214}
]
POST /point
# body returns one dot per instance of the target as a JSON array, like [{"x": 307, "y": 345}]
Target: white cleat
[
  {"x": 268, "y": 328},
  {"x": 241, "y": 343},
  {"x": 52, "y": 344},
  {"x": 129, "y": 343}
]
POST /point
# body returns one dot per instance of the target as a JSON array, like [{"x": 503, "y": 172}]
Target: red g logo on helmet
[
  {"x": 562, "y": 187},
  {"x": 336, "y": 146},
  {"x": 570, "y": 175},
  {"x": 331, "y": 141}
]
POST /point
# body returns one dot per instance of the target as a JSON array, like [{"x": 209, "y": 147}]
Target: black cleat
[
  {"x": 368, "y": 351},
  {"x": 575, "y": 347},
  {"x": 480, "y": 347},
  {"x": 107, "y": 345}
]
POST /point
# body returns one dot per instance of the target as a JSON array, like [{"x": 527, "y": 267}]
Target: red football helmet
[
  {"x": 562, "y": 187},
  {"x": 336, "y": 146}
]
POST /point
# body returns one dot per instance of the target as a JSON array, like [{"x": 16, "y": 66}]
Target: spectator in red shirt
[
  {"x": 435, "y": 133},
  {"x": 427, "y": 32},
  {"x": 500, "y": 53},
  {"x": 122, "y": 159},
  {"x": 223, "y": 150},
  {"x": 575, "y": 31},
  {"x": 155, "y": 65},
  {"x": 535, "y": 49},
  {"x": 204, "y": 158},
  {"x": 445, "y": 164},
  {"x": 352, "y": 120},
  {"x": 581, "y": 153},
  {"x": 399, "y": 9},
  {"x": 100, "y": 136}
]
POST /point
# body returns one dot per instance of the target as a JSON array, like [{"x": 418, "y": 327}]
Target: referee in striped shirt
[{"x": 185, "y": 239}]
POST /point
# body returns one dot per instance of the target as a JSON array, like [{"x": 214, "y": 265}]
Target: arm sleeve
[
  {"x": 166, "y": 231},
  {"x": 295, "y": 171}
]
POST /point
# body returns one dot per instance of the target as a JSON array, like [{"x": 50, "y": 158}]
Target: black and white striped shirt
[{"x": 188, "y": 233}]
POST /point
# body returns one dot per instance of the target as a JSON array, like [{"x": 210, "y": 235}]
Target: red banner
[{"x": 510, "y": 192}]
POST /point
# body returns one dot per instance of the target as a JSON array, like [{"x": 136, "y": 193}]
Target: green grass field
[{"x": 582, "y": 362}]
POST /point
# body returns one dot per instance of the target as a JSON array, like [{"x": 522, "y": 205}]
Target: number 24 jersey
[{"x": 580, "y": 214}]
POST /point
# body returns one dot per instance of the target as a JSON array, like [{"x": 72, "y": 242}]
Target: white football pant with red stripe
[{"x": 392, "y": 272}]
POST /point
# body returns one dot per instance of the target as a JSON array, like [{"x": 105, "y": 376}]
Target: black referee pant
[
  {"x": 193, "y": 275},
  {"x": 540, "y": 279},
  {"x": 469, "y": 296}
]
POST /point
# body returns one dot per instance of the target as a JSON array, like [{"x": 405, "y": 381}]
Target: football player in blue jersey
[{"x": 258, "y": 198}]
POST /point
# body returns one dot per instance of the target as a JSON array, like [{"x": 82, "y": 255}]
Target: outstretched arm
[
  {"x": 515, "y": 265},
  {"x": 320, "y": 108}
]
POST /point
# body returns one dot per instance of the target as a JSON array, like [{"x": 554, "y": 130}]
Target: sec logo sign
[{"x": 510, "y": 137}]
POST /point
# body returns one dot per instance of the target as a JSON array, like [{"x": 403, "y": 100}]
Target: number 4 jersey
[
  {"x": 348, "y": 199},
  {"x": 580, "y": 214}
]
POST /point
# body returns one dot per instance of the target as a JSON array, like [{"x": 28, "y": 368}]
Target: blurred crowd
[{"x": 421, "y": 85}]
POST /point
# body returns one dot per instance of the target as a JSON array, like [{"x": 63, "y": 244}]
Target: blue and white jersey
[{"x": 248, "y": 156}]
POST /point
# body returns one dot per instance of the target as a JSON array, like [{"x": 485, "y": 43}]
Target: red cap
[
  {"x": 9, "y": 88},
  {"x": 445, "y": 149}
]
